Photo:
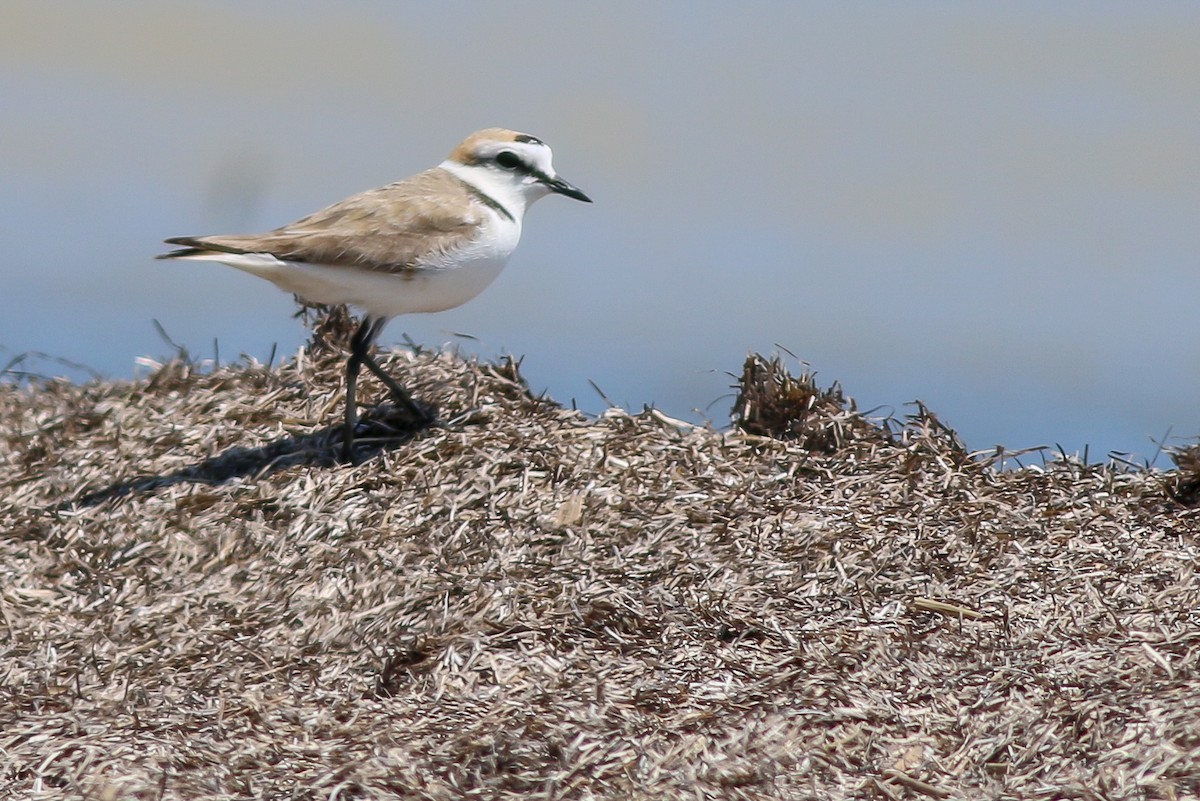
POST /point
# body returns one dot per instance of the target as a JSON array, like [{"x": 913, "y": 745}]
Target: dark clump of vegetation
[
  {"x": 1184, "y": 484},
  {"x": 771, "y": 402}
]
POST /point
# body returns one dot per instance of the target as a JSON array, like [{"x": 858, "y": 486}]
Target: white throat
[{"x": 513, "y": 196}]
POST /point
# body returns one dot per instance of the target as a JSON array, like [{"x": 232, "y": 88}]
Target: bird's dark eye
[{"x": 508, "y": 160}]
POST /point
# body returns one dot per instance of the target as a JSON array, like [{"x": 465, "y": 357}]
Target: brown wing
[{"x": 394, "y": 228}]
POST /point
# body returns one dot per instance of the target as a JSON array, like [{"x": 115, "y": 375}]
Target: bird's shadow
[{"x": 378, "y": 432}]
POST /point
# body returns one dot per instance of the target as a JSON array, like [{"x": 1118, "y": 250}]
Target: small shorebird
[{"x": 425, "y": 244}]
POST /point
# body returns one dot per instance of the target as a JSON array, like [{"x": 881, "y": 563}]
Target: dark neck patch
[{"x": 486, "y": 199}]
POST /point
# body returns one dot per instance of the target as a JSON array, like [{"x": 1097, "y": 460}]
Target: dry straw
[{"x": 198, "y": 602}]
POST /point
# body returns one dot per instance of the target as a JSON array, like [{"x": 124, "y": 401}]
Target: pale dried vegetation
[{"x": 197, "y": 601}]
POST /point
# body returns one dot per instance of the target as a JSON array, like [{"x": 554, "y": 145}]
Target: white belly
[{"x": 383, "y": 294}]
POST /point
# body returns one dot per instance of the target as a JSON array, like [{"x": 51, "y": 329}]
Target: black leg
[
  {"x": 358, "y": 350},
  {"x": 360, "y": 345},
  {"x": 399, "y": 393}
]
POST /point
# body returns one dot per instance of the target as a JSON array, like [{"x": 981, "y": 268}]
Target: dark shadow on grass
[{"x": 378, "y": 431}]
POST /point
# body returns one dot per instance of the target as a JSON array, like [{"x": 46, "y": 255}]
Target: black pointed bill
[{"x": 563, "y": 188}]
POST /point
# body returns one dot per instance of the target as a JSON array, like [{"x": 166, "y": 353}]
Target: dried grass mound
[{"x": 197, "y": 601}]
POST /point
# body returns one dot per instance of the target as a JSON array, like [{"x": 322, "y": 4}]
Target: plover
[{"x": 425, "y": 244}]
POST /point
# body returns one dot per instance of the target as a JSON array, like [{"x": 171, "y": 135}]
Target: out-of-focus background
[{"x": 994, "y": 208}]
